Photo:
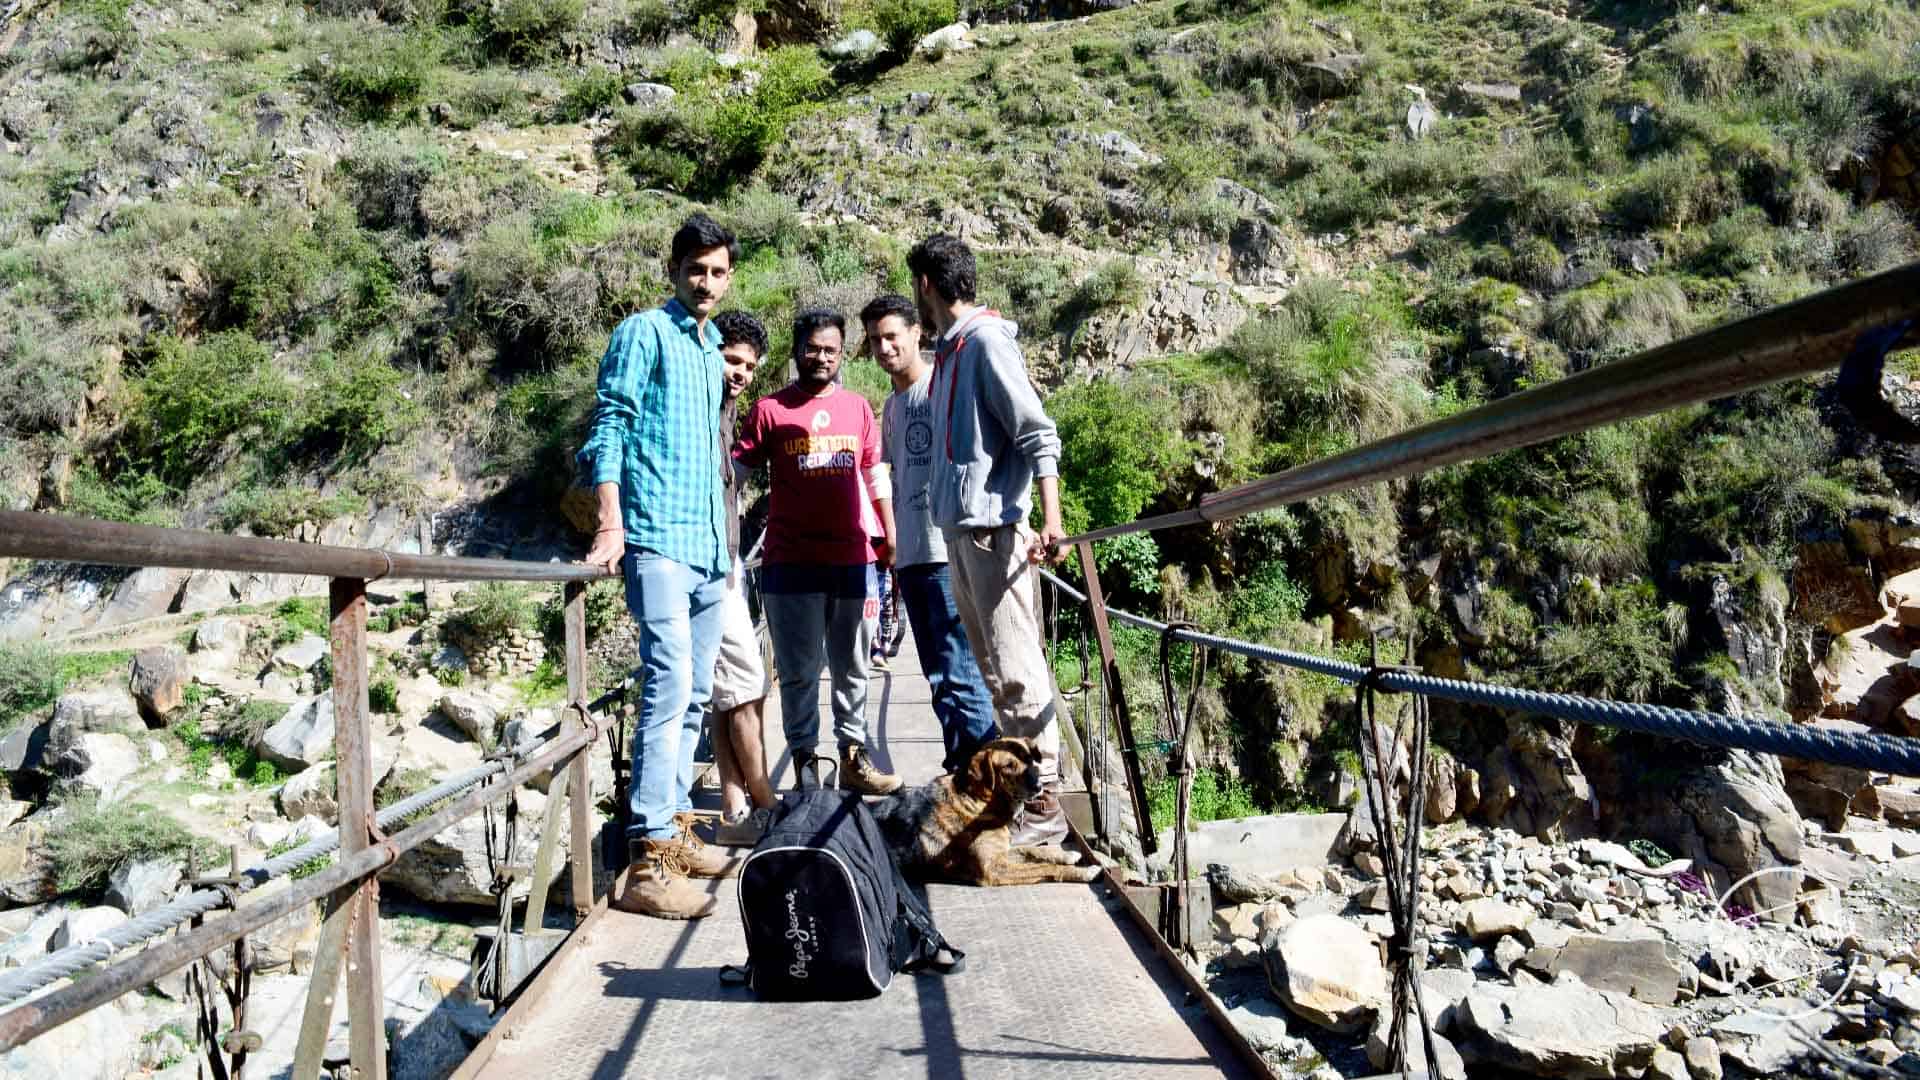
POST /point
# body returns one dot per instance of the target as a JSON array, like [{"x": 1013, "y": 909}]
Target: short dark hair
[
  {"x": 701, "y": 233},
  {"x": 740, "y": 328},
  {"x": 889, "y": 304},
  {"x": 947, "y": 263},
  {"x": 812, "y": 321}
]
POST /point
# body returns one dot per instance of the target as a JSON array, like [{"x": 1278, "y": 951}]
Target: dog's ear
[{"x": 982, "y": 777}]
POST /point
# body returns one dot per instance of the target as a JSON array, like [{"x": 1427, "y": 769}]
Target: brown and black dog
[{"x": 955, "y": 829}]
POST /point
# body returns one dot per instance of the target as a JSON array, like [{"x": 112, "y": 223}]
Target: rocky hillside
[{"x": 335, "y": 270}]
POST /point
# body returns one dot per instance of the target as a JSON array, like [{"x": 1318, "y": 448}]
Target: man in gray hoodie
[{"x": 993, "y": 444}]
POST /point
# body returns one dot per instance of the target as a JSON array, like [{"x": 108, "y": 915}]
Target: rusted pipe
[
  {"x": 1786, "y": 342},
  {"x": 24, "y": 534},
  {"x": 41, "y": 1015}
]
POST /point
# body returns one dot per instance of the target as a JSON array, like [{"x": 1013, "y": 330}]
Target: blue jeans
[
  {"x": 960, "y": 697},
  {"x": 678, "y": 609},
  {"x": 821, "y": 616}
]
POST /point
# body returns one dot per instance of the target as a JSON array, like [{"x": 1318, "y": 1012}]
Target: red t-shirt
[{"x": 816, "y": 448}]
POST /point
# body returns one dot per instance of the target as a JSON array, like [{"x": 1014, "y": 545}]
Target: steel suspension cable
[
  {"x": 76, "y": 958},
  {"x": 1885, "y": 753}
]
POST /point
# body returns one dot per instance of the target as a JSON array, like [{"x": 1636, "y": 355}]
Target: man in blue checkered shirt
[{"x": 655, "y": 454}]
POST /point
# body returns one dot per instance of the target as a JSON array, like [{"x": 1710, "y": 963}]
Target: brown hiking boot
[
  {"x": 1040, "y": 820},
  {"x": 859, "y": 773},
  {"x": 702, "y": 861},
  {"x": 657, "y": 884}
]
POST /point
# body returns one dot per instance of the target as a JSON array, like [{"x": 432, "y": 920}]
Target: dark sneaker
[
  {"x": 745, "y": 830},
  {"x": 859, "y": 773},
  {"x": 1041, "y": 820}
]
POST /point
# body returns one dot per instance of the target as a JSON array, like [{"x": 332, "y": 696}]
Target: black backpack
[{"x": 828, "y": 916}]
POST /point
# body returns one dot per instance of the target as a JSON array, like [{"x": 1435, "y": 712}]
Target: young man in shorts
[{"x": 740, "y": 672}]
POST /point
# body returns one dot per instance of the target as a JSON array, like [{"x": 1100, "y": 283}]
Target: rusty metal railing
[{"x": 350, "y": 932}]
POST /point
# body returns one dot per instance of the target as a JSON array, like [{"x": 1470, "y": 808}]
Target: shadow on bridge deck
[{"x": 1058, "y": 982}]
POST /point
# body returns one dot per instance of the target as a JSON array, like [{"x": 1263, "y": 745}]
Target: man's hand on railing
[
  {"x": 1045, "y": 547},
  {"x": 608, "y": 545}
]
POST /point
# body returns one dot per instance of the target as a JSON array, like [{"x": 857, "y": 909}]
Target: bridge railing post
[
  {"x": 580, "y": 776},
  {"x": 353, "y": 745},
  {"x": 1116, "y": 697}
]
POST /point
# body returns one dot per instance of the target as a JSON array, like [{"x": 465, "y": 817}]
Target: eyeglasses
[{"x": 820, "y": 350}]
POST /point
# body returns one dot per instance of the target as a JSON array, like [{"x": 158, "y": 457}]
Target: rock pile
[{"x": 1576, "y": 960}]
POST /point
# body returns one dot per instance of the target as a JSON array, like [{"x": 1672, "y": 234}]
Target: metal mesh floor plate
[
  {"x": 1054, "y": 985},
  {"x": 1058, "y": 982}
]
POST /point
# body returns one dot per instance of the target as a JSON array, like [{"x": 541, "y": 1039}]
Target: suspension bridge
[{"x": 1068, "y": 979}]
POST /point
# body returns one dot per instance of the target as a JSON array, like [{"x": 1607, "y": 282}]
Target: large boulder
[
  {"x": 1328, "y": 971},
  {"x": 100, "y": 1044},
  {"x": 1731, "y": 816},
  {"x": 220, "y": 635},
  {"x": 26, "y": 870},
  {"x": 84, "y": 924},
  {"x": 311, "y": 793},
  {"x": 299, "y": 657},
  {"x": 104, "y": 709},
  {"x": 33, "y": 942},
  {"x": 138, "y": 887},
  {"x": 1488, "y": 919},
  {"x": 145, "y": 594},
  {"x": 303, "y": 737},
  {"x": 95, "y": 762},
  {"x": 473, "y": 713},
  {"x": 1564, "y": 1030},
  {"x": 451, "y": 868},
  {"x": 1638, "y": 963},
  {"x": 158, "y": 682},
  {"x": 1380, "y": 1051},
  {"x": 25, "y": 747}
]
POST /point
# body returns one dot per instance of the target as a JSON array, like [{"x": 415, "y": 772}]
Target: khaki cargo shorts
[{"x": 740, "y": 671}]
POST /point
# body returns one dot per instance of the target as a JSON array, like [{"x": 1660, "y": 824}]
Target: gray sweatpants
[
  {"x": 998, "y": 594},
  {"x": 812, "y": 630}
]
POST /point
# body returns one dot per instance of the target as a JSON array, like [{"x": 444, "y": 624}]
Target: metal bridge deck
[{"x": 1057, "y": 983}]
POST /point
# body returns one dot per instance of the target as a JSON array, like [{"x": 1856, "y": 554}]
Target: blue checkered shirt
[{"x": 656, "y": 433}]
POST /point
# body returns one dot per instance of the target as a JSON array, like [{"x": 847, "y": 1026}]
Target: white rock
[
  {"x": 1328, "y": 971},
  {"x": 1563, "y": 1030},
  {"x": 951, "y": 38},
  {"x": 301, "y": 738},
  {"x": 30, "y": 944},
  {"x": 85, "y": 924},
  {"x": 138, "y": 887},
  {"x": 220, "y": 634},
  {"x": 104, "y": 708},
  {"x": 91, "y": 761},
  {"x": 311, "y": 792},
  {"x": 473, "y": 713},
  {"x": 1380, "y": 1051},
  {"x": 1487, "y": 918},
  {"x": 300, "y": 657}
]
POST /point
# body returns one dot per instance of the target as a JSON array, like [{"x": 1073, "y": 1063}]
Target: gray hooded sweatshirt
[{"x": 991, "y": 437}]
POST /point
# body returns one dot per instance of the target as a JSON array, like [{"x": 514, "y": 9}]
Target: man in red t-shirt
[{"x": 819, "y": 587}]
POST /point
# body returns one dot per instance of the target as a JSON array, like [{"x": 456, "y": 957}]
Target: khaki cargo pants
[{"x": 998, "y": 594}]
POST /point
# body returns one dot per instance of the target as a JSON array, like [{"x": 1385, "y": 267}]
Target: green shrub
[
  {"x": 703, "y": 142},
  {"x": 90, "y": 841},
  {"x": 1617, "y": 316},
  {"x": 140, "y": 498},
  {"x": 1623, "y": 650},
  {"x": 1330, "y": 363},
  {"x": 1118, "y": 439},
  {"x": 377, "y": 76},
  {"x": 264, "y": 267},
  {"x": 1113, "y": 284},
  {"x": 361, "y": 404},
  {"x": 1215, "y": 796},
  {"x": 30, "y": 680},
  {"x": 603, "y": 605},
  {"x": 279, "y": 511},
  {"x": 595, "y": 92},
  {"x": 299, "y": 615},
  {"x": 383, "y": 696},
  {"x": 193, "y": 398},
  {"x": 530, "y": 28},
  {"x": 902, "y": 23},
  {"x": 494, "y": 608}
]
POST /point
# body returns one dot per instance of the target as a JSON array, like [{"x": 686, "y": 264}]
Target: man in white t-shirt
[{"x": 921, "y": 578}]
